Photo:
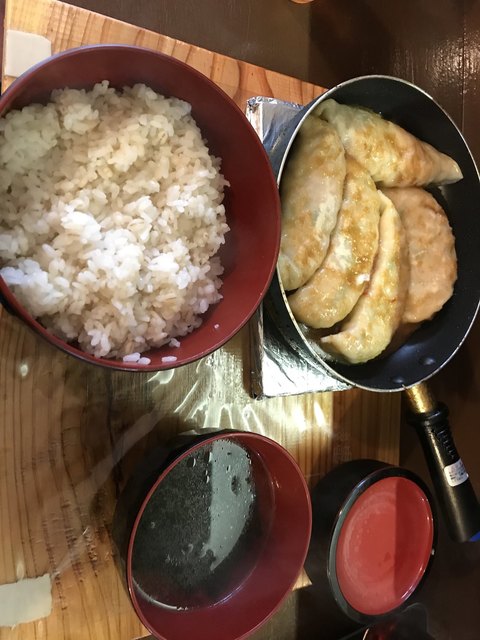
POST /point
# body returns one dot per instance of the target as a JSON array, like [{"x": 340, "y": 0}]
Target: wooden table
[{"x": 70, "y": 433}]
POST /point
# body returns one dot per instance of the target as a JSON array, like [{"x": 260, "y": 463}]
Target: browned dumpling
[
  {"x": 333, "y": 290},
  {"x": 311, "y": 192},
  {"x": 375, "y": 318},
  {"x": 431, "y": 249},
  {"x": 392, "y": 156}
]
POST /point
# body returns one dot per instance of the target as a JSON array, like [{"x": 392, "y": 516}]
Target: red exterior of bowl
[
  {"x": 273, "y": 576},
  {"x": 252, "y": 202}
]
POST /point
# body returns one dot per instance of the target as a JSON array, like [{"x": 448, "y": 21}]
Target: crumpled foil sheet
[{"x": 276, "y": 369}]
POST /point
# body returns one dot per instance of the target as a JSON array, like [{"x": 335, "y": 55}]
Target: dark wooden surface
[
  {"x": 431, "y": 42},
  {"x": 434, "y": 43}
]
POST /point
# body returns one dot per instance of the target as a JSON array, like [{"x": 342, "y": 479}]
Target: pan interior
[{"x": 430, "y": 347}]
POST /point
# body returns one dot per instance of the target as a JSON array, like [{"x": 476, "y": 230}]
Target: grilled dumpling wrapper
[
  {"x": 311, "y": 193},
  {"x": 392, "y": 156},
  {"x": 333, "y": 290},
  {"x": 431, "y": 251},
  {"x": 376, "y": 316}
]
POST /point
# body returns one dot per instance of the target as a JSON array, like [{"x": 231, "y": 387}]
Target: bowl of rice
[{"x": 140, "y": 218}]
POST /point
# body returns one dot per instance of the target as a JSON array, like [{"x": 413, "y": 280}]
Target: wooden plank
[
  {"x": 273, "y": 33},
  {"x": 67, "y": 27},
  {"x": 72, "y": 433}
]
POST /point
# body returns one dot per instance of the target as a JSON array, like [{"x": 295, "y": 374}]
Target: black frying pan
[{"x": 435, "y": 342}]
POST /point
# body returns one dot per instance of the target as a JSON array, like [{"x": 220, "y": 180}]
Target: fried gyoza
[
  {"x": 376, "y": 316},
  {"x": 311, "y": 193},
  {"x": 392, "y": 156},
  {"x": 333, "y": 290},
  {"x": 431, "y": 250}
]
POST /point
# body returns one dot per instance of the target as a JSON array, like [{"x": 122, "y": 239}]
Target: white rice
[
  {"x": 132, "y": 357},
  {"x": 111, "y": 218}
]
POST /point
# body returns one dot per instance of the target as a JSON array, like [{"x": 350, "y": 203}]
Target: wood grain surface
[
  {"x": 72, "y": 433},
  {"x": 67, "y": 27},
  {"x": 434, "y": 43}
]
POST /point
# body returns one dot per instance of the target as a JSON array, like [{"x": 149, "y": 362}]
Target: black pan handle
[{"x": 453, "y": 488}]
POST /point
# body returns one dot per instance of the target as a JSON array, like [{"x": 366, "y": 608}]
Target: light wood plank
[{"x": 67, "y": 27}]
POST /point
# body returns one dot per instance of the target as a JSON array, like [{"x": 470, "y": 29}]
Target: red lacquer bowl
[
  {"x": 266, "y": 577},
  {"x": 252, "y": 202},
  {"x": 373, "y": 539}
]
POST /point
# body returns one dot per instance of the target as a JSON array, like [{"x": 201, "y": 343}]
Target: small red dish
[
  {"x": 373, "y": 538},
  {"x": 384, "y": 545}
]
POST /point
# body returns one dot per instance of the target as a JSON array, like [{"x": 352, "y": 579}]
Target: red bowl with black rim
[
  {"x": 249, "y": 254},
  {"x": 373, "y": 538}
]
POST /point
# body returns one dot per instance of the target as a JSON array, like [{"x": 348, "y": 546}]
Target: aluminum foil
[{"x": 276, "y": 369}]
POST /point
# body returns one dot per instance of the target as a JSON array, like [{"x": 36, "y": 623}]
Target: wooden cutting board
[{"x": 70, "y": 433}]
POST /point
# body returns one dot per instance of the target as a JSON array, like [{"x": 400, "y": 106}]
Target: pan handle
[{"x": 454, "y": 490}]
